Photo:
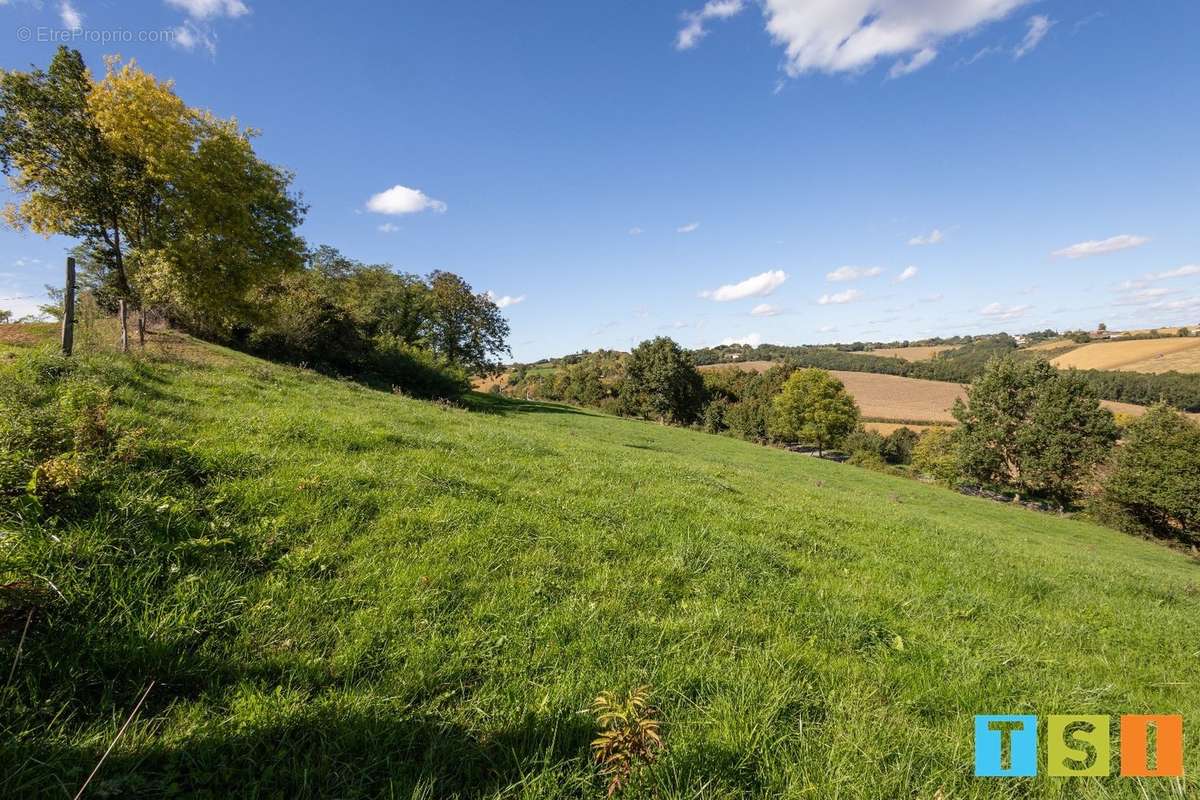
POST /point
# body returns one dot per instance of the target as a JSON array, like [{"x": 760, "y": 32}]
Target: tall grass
[{"x": 347, "y": 593}]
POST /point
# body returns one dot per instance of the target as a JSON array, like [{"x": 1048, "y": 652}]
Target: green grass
[{"x": 347, "y": 593}]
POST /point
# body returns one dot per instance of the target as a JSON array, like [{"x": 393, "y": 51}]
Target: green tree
[
  {"x": 661, "y": 382},
  {"x": 813, "y": 408},
  {"x": 1028, "y": 427},
  {"x": 899, "y": 444},
  {"x": 5, "y": 316},
  {"x": 464, "y": 328},
  {"x": 1156, "y": 476}
]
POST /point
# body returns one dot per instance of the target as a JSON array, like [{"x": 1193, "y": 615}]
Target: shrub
[
  {"x": 898, "y": 447},
  {"x": 936, "y": 455},
  {"x": 863, "y": 443}
]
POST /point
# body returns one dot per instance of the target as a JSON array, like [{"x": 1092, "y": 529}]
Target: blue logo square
[{"x": 1005, "y": 746}]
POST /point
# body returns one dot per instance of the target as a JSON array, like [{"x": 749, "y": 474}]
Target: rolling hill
[
  {"x": 357, "y": 594},
  {"x": 1140, "y": 355}
]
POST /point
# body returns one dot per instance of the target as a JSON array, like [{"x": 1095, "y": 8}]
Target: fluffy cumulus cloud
[
  {"x": 1039, "y": 26},
  {"x": 504, "y": 301},
  {"x": 693, "y": 29},
  {"x": 750, "y": 339},
  {"x": 999, "y": 311},
  {"x": 935, "y": 236},
  {"x": 907, "y": 275},
  {"x": 403, "y": 200},
  {"x": 851, "y": 35},
  {"x": 840, "y": 298},
  {"x": 765, "y": 310},
  {"x": 852, "y": 273},
  {"x": 1098, "y": 247},
  {"x": 757, "y": 286}
]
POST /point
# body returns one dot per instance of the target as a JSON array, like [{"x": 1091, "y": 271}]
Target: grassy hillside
[{"x": 347, "y": 593}]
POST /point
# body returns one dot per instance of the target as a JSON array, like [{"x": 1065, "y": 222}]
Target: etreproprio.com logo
[
  {"x": 1006, "y": 746},
  {"x": 102, "y": 36}
]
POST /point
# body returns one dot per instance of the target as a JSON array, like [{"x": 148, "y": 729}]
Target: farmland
[
  {"x": 911, "y": 353},
  {"x": 351, "y": 593},
  {"x": 1141, "y": 355}
]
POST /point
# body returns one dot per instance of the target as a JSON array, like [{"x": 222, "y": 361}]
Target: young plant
[{"x": 629, "y": 735}]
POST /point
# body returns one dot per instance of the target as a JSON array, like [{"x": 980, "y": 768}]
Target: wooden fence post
[
  {"x": 68, "y": 321},
  {"x": 141, "y": 327},
  {"x": 124, "y": 326}
]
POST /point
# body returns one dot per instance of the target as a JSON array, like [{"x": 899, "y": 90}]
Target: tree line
[
  {"x": 176, "y": 215},
  {"x": 965, "y": 363}
]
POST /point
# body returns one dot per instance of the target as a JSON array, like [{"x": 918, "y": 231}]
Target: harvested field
[
  {"x": 891, "y": 397},
  {"x": 1144, "y": 355},
  {"x": 888, "y": 428},
  {"x": 911, "y": 353},
  {"x": 748, "y": 366}
]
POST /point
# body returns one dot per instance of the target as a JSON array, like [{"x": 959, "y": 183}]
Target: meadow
[{"x": 342, "y": 592}]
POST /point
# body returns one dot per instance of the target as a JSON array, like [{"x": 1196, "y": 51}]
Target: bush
[
  {"x": 1156, "y": 475},
  {"x": 898, "y": 447},
  {"x": 864, "y": 444},
  {"x": 936, "y": 455}
]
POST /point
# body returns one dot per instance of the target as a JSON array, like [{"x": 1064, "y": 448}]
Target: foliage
[
  {"x": 1028, "y": 427},
  {"x": 1156, "y": 475},
  {"x": 661, "y": 381},
  {"x": 630, "y": 736},
  {"x": 172, "y": 204},
  {"x": 865, "y": 444},
  {"x": 745, "y": 399},
  {"x": 425, "y": 336},
  {"x": 899, "y": 445},
  {"x": 813, "y": 408},
  {"x": 936, "y": 455},
  {"x": 5, "y": 316}
]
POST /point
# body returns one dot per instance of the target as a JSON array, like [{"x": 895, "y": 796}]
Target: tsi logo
[{"x": 1007, "y": 746}]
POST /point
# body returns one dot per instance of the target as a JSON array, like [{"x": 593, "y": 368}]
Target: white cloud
[
  {"x": 207, "y": 9},
  {"x": 996, "y": 311},
  {"x": 388, "y": 227},
  {"x": 908, "y": 274},
  {"x": 750, "y": 339},
  {"x": 839, "y": 298},
  {"x": 403, "y": 200},
  {"x": 757, "y": 286},
  {"x": 635, "y": 231},
  {"x": 850, "y": 35},
  {"x": 933, "y": 298},
  {"x": 765, "y": 310},
  {"x": 693, "y": 29},
  {"x": 921, "y": 58},
  {"x": 1141, "y": 297},
  {"x": 852, "y": 273},
  {"x": 935, "y": 236},
  {"x": 827, "y": 329},
  {"x": 504, "y": 301},
  {"x": 70, "y": 17},
  {"x": 1039, "y": 26},
  {"x": 691, "y": 226},
  {"x": 1181, "y": 272},
  {"x": 1101, "y": 246}
]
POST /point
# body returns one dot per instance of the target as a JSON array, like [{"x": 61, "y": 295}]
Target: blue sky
[{"x": 762, "y": 171}]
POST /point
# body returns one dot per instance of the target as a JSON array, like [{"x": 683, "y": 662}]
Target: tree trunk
[
  {"x": 141, "y": 327},
  {"x": 68, "y": 321},
  {"x": 124, "y": 325}
]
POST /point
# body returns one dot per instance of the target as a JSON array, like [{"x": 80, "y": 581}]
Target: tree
[
  {"x": 899, "y": 444},
  {"x": 1028, "y": 427},
  {"x": 813, "y": 408},
  {"x": 171, "y": 202},
  {"x": 5, "y": 316},
  {"x": 661, "y": 382},
  {"x": 1184, "y": 332},
  {"x": 1156, "y": 476},
  {"x": 464, "y": 328}
]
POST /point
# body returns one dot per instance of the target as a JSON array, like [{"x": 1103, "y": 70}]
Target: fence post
[
  {"x": 68, "y": 321},
  {"x": 124, "y": 326},
  {"x": 141, "y": 327}
]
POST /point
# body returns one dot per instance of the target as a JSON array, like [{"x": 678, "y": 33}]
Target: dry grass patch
[
  {"x": 1145, "y": 355},
  {"x": 911, "y": 353}
]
